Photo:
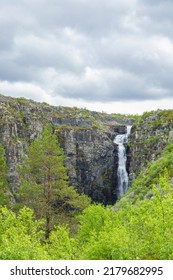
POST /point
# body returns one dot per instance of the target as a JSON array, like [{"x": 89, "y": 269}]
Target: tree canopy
[{"x": 44, "y": 181}]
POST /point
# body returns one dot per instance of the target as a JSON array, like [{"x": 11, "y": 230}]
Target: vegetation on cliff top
[
  {"x": 92, "y": 119},
  {"x": 149, "y": 175}
]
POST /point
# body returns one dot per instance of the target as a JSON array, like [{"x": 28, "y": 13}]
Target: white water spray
[{"x": 122, "y": 174}]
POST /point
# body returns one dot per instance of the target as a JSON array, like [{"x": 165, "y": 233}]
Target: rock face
[
  {"x": 87, "y": 140},
  {"x": 86, "y": 137},
  {"x": 148, "y": 139},
  {"x": 90, "y": 162}
]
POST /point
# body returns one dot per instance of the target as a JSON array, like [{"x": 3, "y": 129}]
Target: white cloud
[
  {"x": 88, "y": 52},
  {"x": 21, "y": 89}
]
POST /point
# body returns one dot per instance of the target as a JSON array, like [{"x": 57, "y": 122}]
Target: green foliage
[
  {"x": 23, "y": 100},
  {"x": 44, "y": 181},
  {"x": 166, "y": 115},
  {"x": 60, "y": 245},
  {"x": 140, "y": 231},
  {"x": 92, "y": 221},
  {"x": 143, "y": 230},
  {"x": 149, "y": 175},
  {"x": 147, "y": 114},
  {"x": 150, "y": 141},
  {"x": 156, "y": 119},
  {"x": 45, "y": 104},
  {"x": 20, "y": 236}
]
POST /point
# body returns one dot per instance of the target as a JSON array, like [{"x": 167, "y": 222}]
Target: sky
[{"x": 104, "y": 55}]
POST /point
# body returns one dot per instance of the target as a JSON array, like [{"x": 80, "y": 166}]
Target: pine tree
[{"x": 44, "y": 181}]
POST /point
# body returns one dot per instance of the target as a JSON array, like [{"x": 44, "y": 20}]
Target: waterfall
[{"x": 122, "y": 174}]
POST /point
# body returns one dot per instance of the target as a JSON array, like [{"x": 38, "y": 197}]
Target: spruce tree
[{"x": 44, "y": 181}]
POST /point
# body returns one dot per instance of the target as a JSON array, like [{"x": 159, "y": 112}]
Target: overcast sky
[{"x": 105, "y": 55}]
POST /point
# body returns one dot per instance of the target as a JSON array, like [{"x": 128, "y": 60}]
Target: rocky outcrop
[
  {"x": 148, "y": 139},
  {"x": 90, "y": 161},
  {"x": 86, "y": 137}
]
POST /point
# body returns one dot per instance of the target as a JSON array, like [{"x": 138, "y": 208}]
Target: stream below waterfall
[{"x": 122, "y": 174}]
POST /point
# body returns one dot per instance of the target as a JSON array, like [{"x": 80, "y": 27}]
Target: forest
[{"x": 50, "y": 220}]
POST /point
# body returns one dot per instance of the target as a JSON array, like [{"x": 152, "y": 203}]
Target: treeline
[
  {"x": 140, "y": 231},
  {"x": 52, "y": 221}
]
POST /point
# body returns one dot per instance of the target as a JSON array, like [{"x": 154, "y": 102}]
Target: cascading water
[{"x": 122, "y": 174}]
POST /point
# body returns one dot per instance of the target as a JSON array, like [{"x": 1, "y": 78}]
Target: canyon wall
[
  {"x": 86, "y": 137},
  {"x": 87, "y": 140}
]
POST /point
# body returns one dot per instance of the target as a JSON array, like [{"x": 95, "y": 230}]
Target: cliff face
[
  {"x": 87, "y": 139},
  {"x": 148, "y": 139}
]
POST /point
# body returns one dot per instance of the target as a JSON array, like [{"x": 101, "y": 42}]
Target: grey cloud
[
  {"x": 156, "y": 17},
  {"x": 102, "y": 50},
  {"x": 118, "y": 85},
  {"x": 92, "y": 17}
]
